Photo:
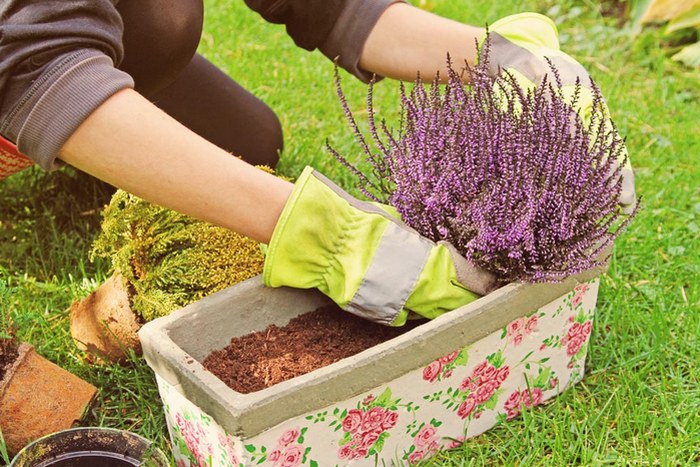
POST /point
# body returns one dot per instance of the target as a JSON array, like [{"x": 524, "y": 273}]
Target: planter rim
[
  {"x": 78, "y": 431},
  {"x": 23, "y": 351},
  {"x": 242, "y": 413}
]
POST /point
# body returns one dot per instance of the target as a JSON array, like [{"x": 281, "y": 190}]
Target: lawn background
[{"x": 640, "y": 401}]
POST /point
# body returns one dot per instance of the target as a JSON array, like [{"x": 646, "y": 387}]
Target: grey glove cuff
[
  {"x": 473, "y": 277},
  {"x": 628, "y": 196},
  {"x": 398, "y": 260}
]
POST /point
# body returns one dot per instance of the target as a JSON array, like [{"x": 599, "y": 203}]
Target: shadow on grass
[{"x": 48, "y": 221}]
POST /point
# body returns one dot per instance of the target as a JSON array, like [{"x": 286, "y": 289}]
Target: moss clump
[{"x": 168, "y": 259}]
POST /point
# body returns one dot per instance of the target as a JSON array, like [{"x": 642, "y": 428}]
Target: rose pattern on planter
[
  {"x": 438, "y": 406},
  {"x": 426, "y": 442},
  {"x": 287, "y": 452},
  {"x": 366, "y": 427},
  {"x": 197, "y": 440}
]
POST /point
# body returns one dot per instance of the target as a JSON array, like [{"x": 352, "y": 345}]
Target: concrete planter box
[{"x": 398, "y": 402}]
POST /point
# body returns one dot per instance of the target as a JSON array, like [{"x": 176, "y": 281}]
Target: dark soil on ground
[
  {"x": 310, "y": 341},
  {"x": 8, "y": 354}
]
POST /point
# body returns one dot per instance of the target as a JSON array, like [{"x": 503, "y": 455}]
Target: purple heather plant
[{"x": 513, "y": 179}]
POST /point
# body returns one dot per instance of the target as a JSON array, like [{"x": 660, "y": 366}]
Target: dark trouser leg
[
  {"x": 160, "y": 41},
  {"x": 211, "y": 104}
]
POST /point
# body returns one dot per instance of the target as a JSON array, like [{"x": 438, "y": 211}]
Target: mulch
[{"x": 310, "y": 341}]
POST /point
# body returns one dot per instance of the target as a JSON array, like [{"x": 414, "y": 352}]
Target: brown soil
[
  {"x": 310, "y": 341},
  {"x": 8, "y": 354}
]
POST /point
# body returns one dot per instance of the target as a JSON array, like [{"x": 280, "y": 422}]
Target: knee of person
[
  {"x": 179, "y": 28},
  {"x": 160, "y": 39},
  {"x": 272, "y": 143}
]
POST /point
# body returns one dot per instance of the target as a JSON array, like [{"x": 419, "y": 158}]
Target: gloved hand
[
  {"x": 365, "y": 259},
  {"x": 520, "y": 45}
]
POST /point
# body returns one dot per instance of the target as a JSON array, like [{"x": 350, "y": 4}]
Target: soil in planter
[
  {"x": 310, "y": 341},
  {"x": 8, "y": 354}
]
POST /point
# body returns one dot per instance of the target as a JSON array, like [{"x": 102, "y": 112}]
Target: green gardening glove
[
  {"x": 365, "y": 259},
  {"x": 521, "y": 44}
]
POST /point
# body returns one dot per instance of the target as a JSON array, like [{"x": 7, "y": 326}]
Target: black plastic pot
[{"x": 90, "y": 447}]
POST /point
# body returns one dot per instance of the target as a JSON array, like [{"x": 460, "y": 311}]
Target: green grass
[{"x": 640, "y": 401}]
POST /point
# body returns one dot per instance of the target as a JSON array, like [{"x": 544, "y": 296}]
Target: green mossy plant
[{"x": 169, "y": 259}]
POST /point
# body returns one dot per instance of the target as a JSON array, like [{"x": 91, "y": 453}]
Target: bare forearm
[
  {"x": 407, "y": 40},
  {"x": 131, "y": 144}
]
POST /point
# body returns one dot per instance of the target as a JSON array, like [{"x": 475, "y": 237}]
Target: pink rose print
[
  {"x": 291, "y": 457},
  {"x": 521, "y": 327},
  {"x": 512, "y": 405},
  {"x": 352, "y": 420},
  {"x": 467, "y": 407},
  {"x": 576, "y": 337},
  {"x": 449, "y": 358},
  {"x": 574, "y": 330},
  {"x": 369, "y": 438},
  {"x": 345, "y": 451},
  {"x": 415, "y": 457},
  {"x": 518, "y": 399},
  {"x": 372, "y": 419},
  {"x": 289, "y": 452},
  {"x": 368, "y": 400},
  {"x": 579, "y": 292},
  {"x": 481, "y": 385},
  {"x": 364, "y": 430},
  {"x": 486, "y": 390},
  {"x": 587, "y": 327},
  {"x": 361, "y": 452},
  {"x": 425, "y": 437},
  {"x": 457, "y": 442},
  {"x": 574, "y": 345},
  {"x": 442, "y": 367},
  {"x": 576, "y": 301},
  {"x": 503, "y": 374},
  {"x": 274, "y": 456},
  {"x": 516, "y": 327},
  {"x": 531, "y": 324},
  {"x": 531, "y": 398},
  {"x": 432, "y": 371},
  {"x": 289, "y": 437},
  {"x": 390, "y": 419},
  {"x": 193, "y": 434},
  {"x": 424, "y": 444},
  {"x": 227, "y": 444}
]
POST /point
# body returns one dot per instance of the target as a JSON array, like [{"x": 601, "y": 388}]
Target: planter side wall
[
  {"x": 175, "y": 346},
  {"x": 461, "y": 394}
]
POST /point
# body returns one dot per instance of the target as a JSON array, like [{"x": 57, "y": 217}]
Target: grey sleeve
[
  {"x": 57, "y": 65},
  {"x": 338, "y": 28},
  {"x": 347, "y": 38}
]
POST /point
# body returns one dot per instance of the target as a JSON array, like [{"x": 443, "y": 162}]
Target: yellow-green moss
[{"x": 168, "y": 259}]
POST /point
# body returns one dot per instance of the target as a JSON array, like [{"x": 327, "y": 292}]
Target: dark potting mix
[
  {"x": 8, "y": 354},
  {"x": 310, "y": 341}
]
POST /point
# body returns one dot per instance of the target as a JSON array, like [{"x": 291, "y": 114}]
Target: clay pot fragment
[
  {"x": 103, "y": 323},
  {"x": 38, "y": 397}
]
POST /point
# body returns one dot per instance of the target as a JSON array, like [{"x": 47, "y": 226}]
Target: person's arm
[
  {"x": 131, "y": 144},
  {"x": 406, "y": 40}
]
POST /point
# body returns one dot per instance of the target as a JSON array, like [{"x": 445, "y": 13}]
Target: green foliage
[
  {"x": 168, "y": 259},
  {"x": 682, "y": 21}
]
